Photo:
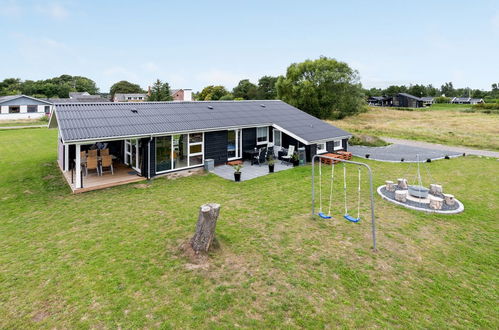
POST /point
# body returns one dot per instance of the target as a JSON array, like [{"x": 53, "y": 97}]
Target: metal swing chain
[
  {"x": 358, "y": 199},
  {"x": 331, "y": 190},
  {"x": 320, "y": 186},
  {"x": 345, "y": 187}
]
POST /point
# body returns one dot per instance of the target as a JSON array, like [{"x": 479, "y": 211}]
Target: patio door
[
  {"x": 132, "y": 154},
  {"x": 277, "y": 138},
  {"x": 234, "y": 144}
]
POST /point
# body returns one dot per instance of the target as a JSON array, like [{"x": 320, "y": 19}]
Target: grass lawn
[
  {"x": 476, "y": 130},
  {"x": 109, "y": 258},
  {"x": 24, "y": 122}
]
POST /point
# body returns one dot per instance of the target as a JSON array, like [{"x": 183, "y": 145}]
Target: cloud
[
  {"x": 54, "y": 10},
  {"x": 495, "y": 22},
  {"x": 11, "y": 9}
]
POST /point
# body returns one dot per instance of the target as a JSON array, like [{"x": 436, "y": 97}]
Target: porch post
[
  {"x": 66, "y": 157},
  {"x": 78, "y": 167}
]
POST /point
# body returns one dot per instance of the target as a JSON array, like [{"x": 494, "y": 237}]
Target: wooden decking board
[{"x": 94, "y": 182}]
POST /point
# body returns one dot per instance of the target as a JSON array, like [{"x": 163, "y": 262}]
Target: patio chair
[
  {"x": 92, "y": 153},
  {"x": 106, "y": 162},
  {"x": 92, "y": 164},
  {"x": 104, "y": 152},
  {"x": 260, "y": 158},
  {"x": 287, "y": 158}
]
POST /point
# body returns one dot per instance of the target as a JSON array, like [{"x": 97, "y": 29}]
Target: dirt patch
[
  {"x": 197, "y": 260},
  {"x": 141, "y": 186},
  {"x": 48, "y": 177},
  {"x": 28, "y": 192},
  {"x": 40, "y": 316}
]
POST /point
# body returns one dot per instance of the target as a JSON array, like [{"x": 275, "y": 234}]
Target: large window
[
  {"x": 277, "y": 138},
  {"x": 321, "y": 148},
  {"x": 337, "y": 145},
  {"x": 32, "y": 108},
  {"x": 14, "y": 109},
  {"x": 179, "y": 151},
  {"x": 47, "y": 109},
  {"x": 262, "y": 136}
]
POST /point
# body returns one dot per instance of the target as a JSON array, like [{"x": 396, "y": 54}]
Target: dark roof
[
  {"x": 410, "y": 96},
  {"x": 78, "y": 99},
  {"x": 13, "y": 97},
  {"x": 94, "y": 121}
]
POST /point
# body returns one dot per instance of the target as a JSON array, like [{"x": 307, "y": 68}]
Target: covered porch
[{"x": 102, "y": 164}]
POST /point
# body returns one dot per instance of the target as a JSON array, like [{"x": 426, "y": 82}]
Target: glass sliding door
[
  {"x": 180, "y": 151},
  {"x": 132, "y": 154},
  {"x": 163, "y": 153},
  {"x": 233, "y": 144}
]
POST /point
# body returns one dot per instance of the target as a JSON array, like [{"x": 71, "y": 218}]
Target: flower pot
[
  {"x": 296, "y": 163},
  {"x": 271, "y": 168},
  {"x": 237, "y": 176}
]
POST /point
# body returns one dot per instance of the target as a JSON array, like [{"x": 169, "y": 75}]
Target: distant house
[
  {"x": 14, "y": 107},
  {"x": 182, "y": 94},
  {"x": 466, "y": 100},
  {"x": 379, "y": 101},
  {"x": 427, "y": 100},
  {"x": 407, "y": 101},
  {"x": 79, "y": 97},
  {"x": 130, "y": 97}
]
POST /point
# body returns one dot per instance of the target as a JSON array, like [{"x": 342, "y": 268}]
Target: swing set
[{"x": 346, "y": 215}]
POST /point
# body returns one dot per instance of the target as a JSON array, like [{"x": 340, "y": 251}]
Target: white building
[{"x": 15, "y": 107}]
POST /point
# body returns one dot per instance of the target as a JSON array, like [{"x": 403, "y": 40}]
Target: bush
[
  {"x": 367, "y": 140},
  {"x": 441, "y": 99}
]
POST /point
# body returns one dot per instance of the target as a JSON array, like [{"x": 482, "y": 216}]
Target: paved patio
[{"x": 249, "y": 171}]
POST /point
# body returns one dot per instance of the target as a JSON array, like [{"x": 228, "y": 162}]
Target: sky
[{"x": 198, "y": 43}]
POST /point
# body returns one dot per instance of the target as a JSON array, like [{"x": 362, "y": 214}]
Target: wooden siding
[
  {"x": 215, "y": 146},
  {"x": 249, "y": 138}
]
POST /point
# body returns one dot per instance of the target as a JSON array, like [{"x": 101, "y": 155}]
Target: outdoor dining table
[{"x": 251, "y": 153}]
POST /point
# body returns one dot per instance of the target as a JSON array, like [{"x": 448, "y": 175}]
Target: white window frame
[
  {"x": 322, "y": 150},
  {"x": 189, "y": 154},
  {"x": 339, "y": 147},
  {"x": 267, "y": 136},
  {"x": 277, "y": 133}
]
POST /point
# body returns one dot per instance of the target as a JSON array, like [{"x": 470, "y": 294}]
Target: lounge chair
[{"x": 287, "y": 158}]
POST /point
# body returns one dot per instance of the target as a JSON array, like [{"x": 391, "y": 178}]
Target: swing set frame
[{"x": 371, "y": 194}]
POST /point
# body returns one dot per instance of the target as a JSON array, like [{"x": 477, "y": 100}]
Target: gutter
[{"x": 149, "y": 158}]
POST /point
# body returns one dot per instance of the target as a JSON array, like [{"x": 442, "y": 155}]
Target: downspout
[{"x": 149, "y": 158}]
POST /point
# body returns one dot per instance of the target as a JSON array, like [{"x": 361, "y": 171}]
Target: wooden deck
[{"x": 122, "y": 175}]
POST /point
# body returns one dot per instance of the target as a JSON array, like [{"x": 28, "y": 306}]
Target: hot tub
[{"x": 418, "y": 191}]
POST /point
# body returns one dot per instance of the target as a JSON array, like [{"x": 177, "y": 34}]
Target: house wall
[
  {"x": 249, "y": 138},
  {"x": 23, "y": 103},
  {"x": 215, "y": 146}
]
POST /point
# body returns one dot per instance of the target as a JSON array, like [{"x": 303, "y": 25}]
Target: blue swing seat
[
  {"x": 324, "y": 216},
  {"x": 350, "y": 218}
]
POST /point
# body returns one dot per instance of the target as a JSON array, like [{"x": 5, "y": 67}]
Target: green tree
[
  {"x": 266, "y": 88},
  {"x": 160, "y": 92},
  {"x": 417, "y": 90},
  {"x": 125, "y": 87},
  {"x": 325, "y": 88},
  {"x": 227, "y": 97},
  {"x": 447, "y": 89},
  {"x": 245, "y": 90},
  {"x": 394, "y": 90},
  {"x": 10, "y": 86},
  {"x": 212, "y": 93}
]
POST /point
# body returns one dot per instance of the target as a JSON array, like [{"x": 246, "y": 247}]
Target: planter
[
  {"x": 296, "y": 163},
  {"x": 237, "y": 176},
  {"x": 418, "y": 191},
  {"x": 271, "y": 168}
]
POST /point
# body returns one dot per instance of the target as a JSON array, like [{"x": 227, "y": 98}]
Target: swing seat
[
  {"x": 350, "y": 218},
  {"x": 324, "y": 216}
]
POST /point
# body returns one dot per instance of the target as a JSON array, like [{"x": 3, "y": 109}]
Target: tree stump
[
  {"x": 435, "y": 202},
  {"x": 402, "y": 184},
  {"x": 436, "y": 189},
  {"x": 390, "y": 186},
  {"x": 205, "y": 227},
  {"x": 449, "y": 199},
  {"x": 401, "y": 195}
]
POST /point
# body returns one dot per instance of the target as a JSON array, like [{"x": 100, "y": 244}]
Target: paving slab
[
  {"x": 398, "y": 152},
  {"x": 249, "y": 171}
]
